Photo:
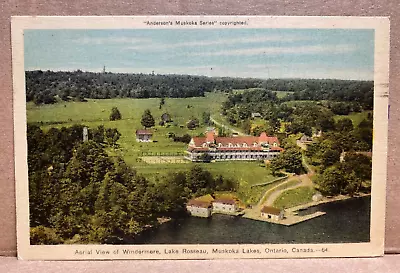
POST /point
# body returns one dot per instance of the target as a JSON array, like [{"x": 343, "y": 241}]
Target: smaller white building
[
  {"x": 143, "y": 135},
  {"x": 225, "y": 205},
  {"x": 272, "y": 213},
  {"x": 199, "y": 208}
]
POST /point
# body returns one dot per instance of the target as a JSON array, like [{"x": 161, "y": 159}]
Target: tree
[
  {"x": 97, "y": 135},
  {"x": 344, "y": 125},
  {"x": 112, "y": 135},
  {"x": 332, "y": 181},
  {"x": 325, "y": 124},
  {"x": 206, "y": 118},
  {"x": 185, "y": 138},
  {"x": 290, "y": 160},
  {"x": 257, "y": 130},
  {"x": 276, "y": 124},
  {"x": 205, "y": 157},
  {"x": 115, "y": 114},
  {"x": 193, "y": 124},
  {"x": 147, "y": 119},
  {"x": 353, "y": 183},
  {"x": 360, "y": 164},
  {"x": 42, "y": 235},
  {"x": 329, "y": 157},
  {"x": 246, "y": 126},
  {"x": 299, "y": 127},
  {"x": 200, "y": 181}
]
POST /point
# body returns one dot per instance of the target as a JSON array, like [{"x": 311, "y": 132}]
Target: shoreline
[
  {"x": 292, "y": 217},
  {"x": 291, "y": 214},
  {"x": 326, "y": 200}
]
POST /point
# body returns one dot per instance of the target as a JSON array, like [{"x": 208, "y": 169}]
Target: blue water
[{"x": 345, "y": 222}]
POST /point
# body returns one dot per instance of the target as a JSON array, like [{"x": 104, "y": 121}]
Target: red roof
[
  {"x": 234, "y": 149},
  {"x": 210, "y": 137},
  {"x": 225, "y": 201},
  {"x": 271, "y": 210},
  {"x": 225, "y": 141},
  {"x": 198, "y": 203},
  {"x": 143, "y": 132}
]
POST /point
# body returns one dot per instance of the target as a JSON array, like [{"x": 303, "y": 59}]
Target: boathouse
[
  {"x": 225, "y": 205},
  {"x": 201, "y": 206},
  {"x": 272, "y": 213}
]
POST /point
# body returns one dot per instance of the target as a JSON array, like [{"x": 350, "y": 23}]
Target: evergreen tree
[
  {"x": 147, "y": 119},
  {"x": 115, "y": 114}
]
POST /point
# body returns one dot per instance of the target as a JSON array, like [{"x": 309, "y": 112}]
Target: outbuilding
[
  {"x": 225, "y": 205},
  {"x": 272, "y": 213},
  {"x": 143, "y": 135},
  {"x": 200, "y": 207}
]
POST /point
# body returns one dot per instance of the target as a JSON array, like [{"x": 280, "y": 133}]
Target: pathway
[
  {"x": 274, "y": 193},
  {"x": 305, "y": 181},
  {"x": 228, "y": 127}
]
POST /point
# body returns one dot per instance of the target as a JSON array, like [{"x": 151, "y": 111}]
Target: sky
[{"x": 256, "y": 53}]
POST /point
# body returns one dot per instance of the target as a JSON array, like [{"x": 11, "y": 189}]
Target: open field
[
  {"x": 96, "y": 112},
  {"x": 356, "y": 118},
  {"x": 247, "y": 173},
  {"x": 279, "y": 94}
]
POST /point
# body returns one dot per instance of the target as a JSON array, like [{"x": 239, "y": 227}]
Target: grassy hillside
[
  {"x": 96, "y": 112},
  {"x": 355, "y": 117}
]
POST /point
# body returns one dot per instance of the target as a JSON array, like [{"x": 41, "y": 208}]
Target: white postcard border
[{"x": 69, "y": 252}]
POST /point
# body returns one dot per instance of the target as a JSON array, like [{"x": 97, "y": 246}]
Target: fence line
[{"x": 163, "y": 154}]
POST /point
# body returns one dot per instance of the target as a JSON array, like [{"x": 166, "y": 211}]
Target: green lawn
[
  {"x": 282, "y": 94},
  {"x": 247, "y": 173},
  {"x": 356, "y": 118},
  {"x": 294, "y": 197},
  {"x": 279, "y": 94},
  {"x": 96, "y": 112}
]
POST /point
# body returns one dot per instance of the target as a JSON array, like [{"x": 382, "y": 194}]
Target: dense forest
[
  {"x": 289, "y": 119},
  {"x": 79, "y": 194},
  {"x": 46, "y": 87},
  {"x": 298, "y": 116}
]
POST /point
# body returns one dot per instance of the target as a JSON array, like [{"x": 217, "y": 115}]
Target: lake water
[{"x": 345, "y": 222}]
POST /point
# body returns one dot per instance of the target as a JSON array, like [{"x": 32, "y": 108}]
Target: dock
[
  {"x": 291, "y": 217},
  {"x": 236, "y": 213}
]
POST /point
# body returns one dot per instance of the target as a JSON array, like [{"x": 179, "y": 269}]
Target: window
[
  {"x": 275, "y": 144},
  {"x": 255, "y": 144},
  {"x": 204, "y": 145},
  {"x": 230, "y": 145},
  {"x": 219, "y": 145},
  {"x": 244, "y": 144}
]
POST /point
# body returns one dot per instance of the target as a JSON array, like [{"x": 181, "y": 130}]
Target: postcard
[{"x": 200, "y": 137}]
